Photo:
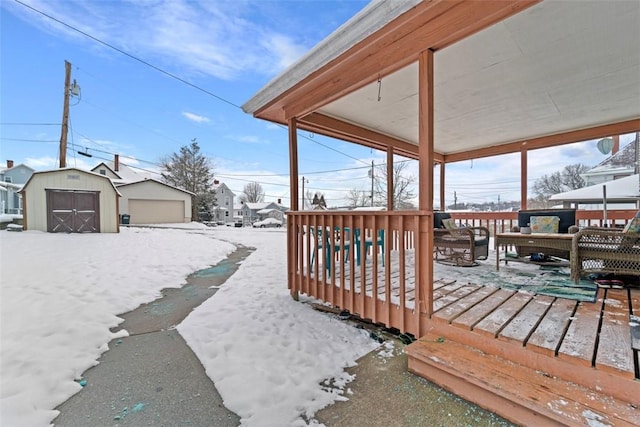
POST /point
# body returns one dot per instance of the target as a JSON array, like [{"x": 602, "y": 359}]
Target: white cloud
[
  {"x": 195, "y": 117},
  {"x": 218, "y": 39}
]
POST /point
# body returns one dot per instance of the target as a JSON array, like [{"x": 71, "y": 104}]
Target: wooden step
[{"x": 520, "y": 394}]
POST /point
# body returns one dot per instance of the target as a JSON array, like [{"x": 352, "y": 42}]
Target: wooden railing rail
[{"x": 344, "y": 258}]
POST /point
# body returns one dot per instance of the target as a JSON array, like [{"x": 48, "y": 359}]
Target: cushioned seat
[{"x": 460, "y": 246}]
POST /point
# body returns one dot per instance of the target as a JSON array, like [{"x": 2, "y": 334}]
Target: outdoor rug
[
  {"x": 548, "y": 280},
  {"x": 555, "y": 282}
]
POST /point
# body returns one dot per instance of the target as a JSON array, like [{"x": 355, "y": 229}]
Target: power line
[
  {"x": 29, "y": 124},
  {"x": 167, "y": 73}
]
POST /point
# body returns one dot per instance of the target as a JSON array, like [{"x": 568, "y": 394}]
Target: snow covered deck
[{"x": 532, "y": 359}]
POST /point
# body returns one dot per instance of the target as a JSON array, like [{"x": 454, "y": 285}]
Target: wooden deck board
[
  {"x": 446, "y": 289},
  {"x": 614, "y": 346},
  {"x": 547, "y": 337},
  {"x": 494, "y": 322},
  {"x": 580, "y": 340},
  {"x": 454, "y": 296},
  {"x": 521, "y": 326},
  {"x": 451, "y": 312},
  {"x": 634, "y": 295},
  {"x": 479, "y": 311}
]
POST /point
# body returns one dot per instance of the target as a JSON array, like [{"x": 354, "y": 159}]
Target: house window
[
  {"x": 103, "y": 172},
  {"x": 8, "y": 179},
  {"x": 226, "y": 213}
]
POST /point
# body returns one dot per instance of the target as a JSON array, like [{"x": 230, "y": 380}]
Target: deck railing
[{"x": 379, "y": 265}]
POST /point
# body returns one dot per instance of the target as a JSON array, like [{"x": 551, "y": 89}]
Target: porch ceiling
[{"x": 554, "y": 67}]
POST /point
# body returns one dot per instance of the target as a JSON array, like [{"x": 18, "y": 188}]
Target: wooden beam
[
  {"x": 335, "y": 128},
  {"x": 425, "y": 130},
  {"x": 442, "y": 187},
  {"x": 293, "y": 164},
  {"x": 424, "y": 264},
  {"x": 390, "y": 182},
  {"x": 586, "y": 134},
  {"x": 523, "y": 177}
]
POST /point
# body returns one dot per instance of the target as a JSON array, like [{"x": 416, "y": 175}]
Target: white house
[
  {"x": 223, "y": 210},
  {"x": 252, "y": 212},
  {"x": 12, "y": 179},
  {"x": 618, "y": 165}
]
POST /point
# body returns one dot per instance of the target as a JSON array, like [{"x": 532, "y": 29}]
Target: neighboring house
[
  {"x": 623, "y": 193},
  {"x": 144, "y": 199},
  {"x": 154, "y": 202},
  {"x": 223, "y": 210},
  {"x": 251, "y": 211},
  {"x": 118, "y": 172},
  {"x": 12, "y": 179},
  {"x": 618, "y": 165},
  {"x": 70, "y": 200}
]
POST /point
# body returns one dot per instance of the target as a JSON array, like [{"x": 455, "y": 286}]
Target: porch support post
[
  {"x": 390, "y": 183},
  {"x": 293, "y": 163},
  {"x": 292, "y": 226},
  {"x": 424, "y": 263},
  {"x": 442, "y": 201},
  {"x": 523, "y": 176}
]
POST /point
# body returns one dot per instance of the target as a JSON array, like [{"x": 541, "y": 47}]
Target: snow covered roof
[
  {"x": 124, "y": 172},
  {"x": 622, "y": 161},
  {"x": 620, "y": 190}
]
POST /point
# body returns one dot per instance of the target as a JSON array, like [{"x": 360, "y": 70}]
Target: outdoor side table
[{"x": 538, "y": 240}]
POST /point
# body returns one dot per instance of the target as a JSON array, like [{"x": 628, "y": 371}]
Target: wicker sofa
[
  {"x": 460, "y": 246},
  {"x": 567, "y": 224},
  {"x": 605, "y": 250}
]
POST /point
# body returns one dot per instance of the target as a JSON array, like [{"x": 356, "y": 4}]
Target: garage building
[
  {"x": 70, "y": 200},
  {"x": 154, "y": 202}
]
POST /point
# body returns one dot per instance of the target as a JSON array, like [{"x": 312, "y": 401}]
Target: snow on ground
[
  {"x": 61, "y": 293},
  {"x": 265, "y": 352}
]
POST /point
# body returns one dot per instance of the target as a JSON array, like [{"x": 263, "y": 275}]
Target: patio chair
[
  {"x": 333, "y": 241},
  {"x": 458, "y": 246},
  {"x": 606, "y": 250},
  {"x": 368, "y": 243}
]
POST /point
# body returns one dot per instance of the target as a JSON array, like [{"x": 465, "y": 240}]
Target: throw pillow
[
  {"x": 449, "y": 224},
  {"x": 633, "y": 226},
  {"x": 544, "y": 224}
]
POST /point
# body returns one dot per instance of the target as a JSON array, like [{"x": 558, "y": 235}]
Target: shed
[
  {"x": 70, "y": 200},
  {"x": 154, "y": 202}
]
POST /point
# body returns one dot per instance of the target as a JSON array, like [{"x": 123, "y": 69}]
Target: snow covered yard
[{"x": 61, "y": 294}]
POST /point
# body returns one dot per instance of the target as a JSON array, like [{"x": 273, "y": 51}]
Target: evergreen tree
[{"x": 190, "y": 170}]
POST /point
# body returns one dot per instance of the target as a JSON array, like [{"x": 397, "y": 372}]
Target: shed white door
[{"x": 156, "y": 211}]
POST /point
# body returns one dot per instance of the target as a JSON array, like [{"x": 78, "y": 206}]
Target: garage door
[
  {"x": 156, "y": 211},
  {"x": 73, "y": 211}
]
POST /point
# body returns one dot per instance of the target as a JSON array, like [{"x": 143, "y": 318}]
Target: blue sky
[{"x": 226, "y": 50}]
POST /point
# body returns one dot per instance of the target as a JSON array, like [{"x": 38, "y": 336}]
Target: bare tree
[
  {"x": 252, "y": 193},
  {"x": 403, "y": 186},
  {"x": 557, "y": 182},
  {"x": 357, "y": 198},
  {"x": 190, "y": 170}
]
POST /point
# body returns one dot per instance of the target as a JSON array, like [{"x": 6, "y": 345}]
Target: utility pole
[
  {"x": 372, "y": 175},
  {"x": 303, "y": 180},
  {"x": 65, "y": 115}
]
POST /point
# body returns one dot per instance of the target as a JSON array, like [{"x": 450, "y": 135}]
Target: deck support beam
[
  {"x": 424, "y": 264},
  {"x": 523, "y": 176},
  {"x": 293, "y": 204}
]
